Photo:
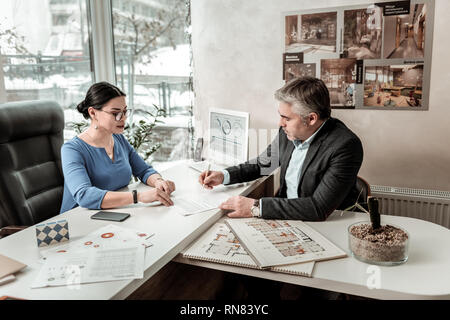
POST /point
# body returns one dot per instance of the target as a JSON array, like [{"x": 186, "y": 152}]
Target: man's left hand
[
  {"x": 165, "y": 185},
  {"x": 240, "y": 205}
]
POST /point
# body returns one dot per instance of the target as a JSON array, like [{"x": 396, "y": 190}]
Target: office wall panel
[{"x": 237, "y": 65}]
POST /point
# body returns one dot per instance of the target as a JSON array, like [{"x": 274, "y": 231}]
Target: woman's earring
[{"x": 95, "y": 127}]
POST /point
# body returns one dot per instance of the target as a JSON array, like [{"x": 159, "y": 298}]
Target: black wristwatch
[{"x": 134, "y": 196}]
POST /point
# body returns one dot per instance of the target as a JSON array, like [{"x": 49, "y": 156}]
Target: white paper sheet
[
  {"x": 188, "y": 206},
  {"x": 105, "y": 264}
]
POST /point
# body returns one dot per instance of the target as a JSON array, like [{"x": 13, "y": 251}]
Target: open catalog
[
  {"x": 281, "y": 242},
  {"x": 218, "y": 244}
]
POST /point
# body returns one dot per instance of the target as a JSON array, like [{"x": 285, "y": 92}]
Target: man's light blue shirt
[{"x": 293, "y": 170}]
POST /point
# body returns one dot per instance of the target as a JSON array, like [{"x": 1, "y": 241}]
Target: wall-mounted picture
[
  {"x": 363, "y": 33},
  {"x": 393, "y": 86},
  {"x": 299, "y": 70},
  {"x": 339, "y": 76},
  {"x": 370, "y": 56},
  {"x": 404, "y": 35},
  {"x": 311, "y": 33}
]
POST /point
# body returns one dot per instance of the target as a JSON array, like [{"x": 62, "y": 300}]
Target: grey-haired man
[{"x": 319, "y": 158}]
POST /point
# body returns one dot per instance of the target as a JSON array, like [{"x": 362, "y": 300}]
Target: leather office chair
[
  {"x": 364, "y": 192},
  {"x": 31, "y": 179}
]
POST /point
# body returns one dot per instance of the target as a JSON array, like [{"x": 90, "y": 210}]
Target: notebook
[
  {"x": 9, "y": 266},
  {"x": 219, "y": 245},
  {"x": 280, "y": 242}
]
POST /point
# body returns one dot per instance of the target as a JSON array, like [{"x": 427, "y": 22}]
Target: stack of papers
[
  {"x": 282, "y": 242},
  {"x": 107, "y": 254}
]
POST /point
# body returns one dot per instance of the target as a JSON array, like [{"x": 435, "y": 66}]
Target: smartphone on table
[{"x": 110, "y": 216}]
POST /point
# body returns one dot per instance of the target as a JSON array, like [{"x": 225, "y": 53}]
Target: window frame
[{"x": 101, "y": 38}]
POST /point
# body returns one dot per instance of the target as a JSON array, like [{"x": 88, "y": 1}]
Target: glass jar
[{"x": 388, "y": 248}]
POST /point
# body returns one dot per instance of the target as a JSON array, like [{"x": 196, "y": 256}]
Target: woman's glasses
[{"x": 118, "y": 115}]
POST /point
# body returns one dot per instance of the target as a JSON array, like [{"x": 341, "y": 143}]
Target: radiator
[{"x": 429, "y": 205}]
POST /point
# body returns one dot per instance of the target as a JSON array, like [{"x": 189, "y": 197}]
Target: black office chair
[
  {"x": 31, "y": 179},
  {"x": 364, "y": 192}
]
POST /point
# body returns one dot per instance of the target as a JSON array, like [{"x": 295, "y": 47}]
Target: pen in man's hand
[{"x": 207, "y": 174}]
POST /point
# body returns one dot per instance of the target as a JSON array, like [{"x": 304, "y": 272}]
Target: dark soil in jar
[{"x": 386, "y": 243}]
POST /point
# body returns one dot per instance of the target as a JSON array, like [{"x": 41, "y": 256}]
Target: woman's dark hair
[{"x": 97, "y": 96}]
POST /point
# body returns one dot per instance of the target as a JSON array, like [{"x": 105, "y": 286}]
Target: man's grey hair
[{"x": 306, "y": 95}]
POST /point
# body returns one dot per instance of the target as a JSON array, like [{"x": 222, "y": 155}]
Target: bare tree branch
[
  {"x": 168, "y": 26},
  {"x": 145, "y": 33}
]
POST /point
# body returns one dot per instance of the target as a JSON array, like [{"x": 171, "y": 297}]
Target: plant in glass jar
[{"x": 375, "y": 243}]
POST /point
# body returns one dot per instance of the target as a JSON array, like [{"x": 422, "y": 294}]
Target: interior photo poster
[{"x": 370, "y": 56}]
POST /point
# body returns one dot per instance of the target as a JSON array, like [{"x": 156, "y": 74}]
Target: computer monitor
[{"x": 228, "y": 136}]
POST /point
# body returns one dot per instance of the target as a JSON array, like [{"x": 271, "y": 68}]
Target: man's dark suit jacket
[{"x": 327, "y": 180}]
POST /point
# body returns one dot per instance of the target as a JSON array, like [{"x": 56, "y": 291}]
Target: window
[
  {"x": 63, "y": 2},
  {"x": 370, "y": 76},
  {"x": 44, "y": 53},
  {"x": 152, "y": 57},
  {"x": 60, "y": 19}
]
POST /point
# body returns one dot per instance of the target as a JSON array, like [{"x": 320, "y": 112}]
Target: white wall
[{"x": 237, "y": 48}]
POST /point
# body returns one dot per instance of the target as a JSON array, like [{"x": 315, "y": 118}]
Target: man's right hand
[{"x": 214, "y": 178}]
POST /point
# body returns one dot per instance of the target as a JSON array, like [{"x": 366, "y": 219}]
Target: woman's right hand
[
  {"x": 155, "y": 194},
  {"x": 210, "y": 179}
]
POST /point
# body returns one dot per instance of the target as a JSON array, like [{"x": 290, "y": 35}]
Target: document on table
[
  {"x": 188, "y": 206},
  {"x": 109, "y": 236},
  {"x": 108, "y": 264}
]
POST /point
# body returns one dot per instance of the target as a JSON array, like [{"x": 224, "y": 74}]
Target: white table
[
  {"x": 426, "y": 274},
  {"x": 173, "y": 232}
]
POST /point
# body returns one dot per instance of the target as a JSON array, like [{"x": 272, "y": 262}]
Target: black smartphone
[{"x": 110, "y": 216}]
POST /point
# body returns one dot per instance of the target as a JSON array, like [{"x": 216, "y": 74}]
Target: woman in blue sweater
[{"x": 100, "y": 160}]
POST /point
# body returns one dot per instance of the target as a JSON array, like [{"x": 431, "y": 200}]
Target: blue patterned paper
[{"x": 52, "y": 233}]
